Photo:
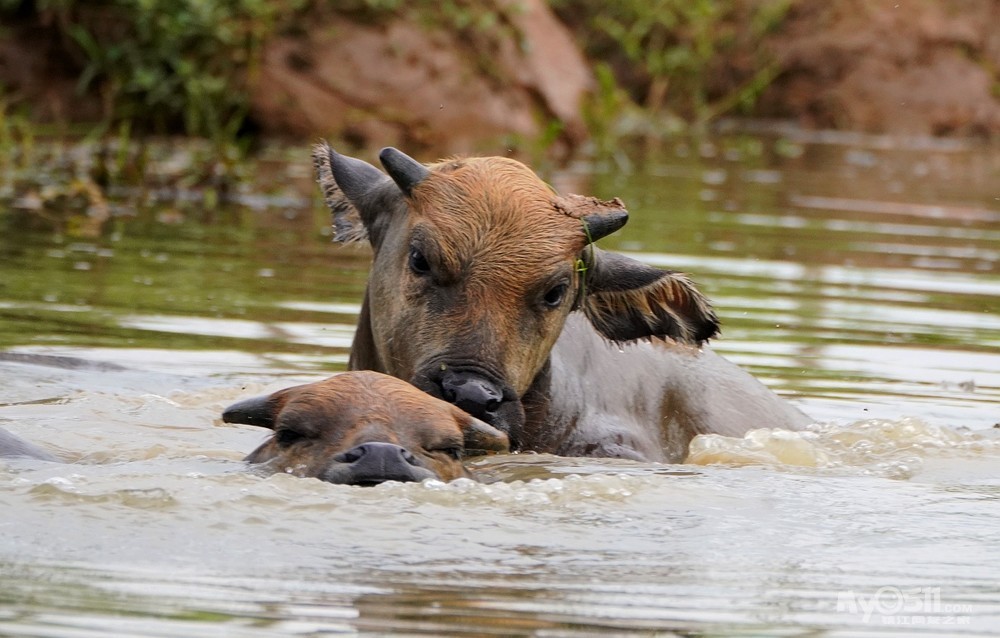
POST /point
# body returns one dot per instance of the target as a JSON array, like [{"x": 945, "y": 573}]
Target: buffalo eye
[
  {"x": 418, "y": 263},
  {"x": 286, "y": 437},
  {"x": 453, "y": 452},
  {"x": 555, "y": 295}
]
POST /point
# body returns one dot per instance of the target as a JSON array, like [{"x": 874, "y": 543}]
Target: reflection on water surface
[{"x": 857, "y": 276}]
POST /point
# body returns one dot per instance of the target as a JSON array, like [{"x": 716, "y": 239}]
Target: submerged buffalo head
[
  {"x": 363, "y": 428},
  {"x": 477, "y": 265}
]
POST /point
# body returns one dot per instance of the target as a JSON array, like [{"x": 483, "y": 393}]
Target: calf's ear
[
  {"x": 480, "y": 438},
  {"x": 262, "y": 411},
  {"x": 360, "y": 197},
  {"x": 625, "y": 300}
]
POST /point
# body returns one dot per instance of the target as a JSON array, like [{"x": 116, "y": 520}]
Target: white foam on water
[{"x": 880, "y": 447}]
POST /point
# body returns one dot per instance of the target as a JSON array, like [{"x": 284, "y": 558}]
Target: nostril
[
  {"x": 379, "y": 452},
  {"x": 352, "y": 455},
  {"x": 472, "y": 393}
]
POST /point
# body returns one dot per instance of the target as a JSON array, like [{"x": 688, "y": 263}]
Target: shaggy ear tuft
[
  {"x": 628, "y": 300},
  {"x": 347, "y": 225},
  {"x": 362, "y": 198}
]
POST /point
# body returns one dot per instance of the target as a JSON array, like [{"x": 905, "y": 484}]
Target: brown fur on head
[
  {"x": 494, "y": 246},
  {"x": 316, "y": 423},
  {"x": 478, "y": 263}
]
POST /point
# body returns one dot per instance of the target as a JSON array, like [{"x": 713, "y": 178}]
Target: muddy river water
[{"x": 858, "y": 276}]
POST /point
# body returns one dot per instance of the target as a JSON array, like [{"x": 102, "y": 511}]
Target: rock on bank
[{"x": 400, "y": 82}]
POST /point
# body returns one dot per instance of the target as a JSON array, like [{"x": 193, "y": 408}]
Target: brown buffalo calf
[
  {"x": 357, "y": 428},
  {"x": 487, "y": 291},
  {"x": 364, "y": 428}
]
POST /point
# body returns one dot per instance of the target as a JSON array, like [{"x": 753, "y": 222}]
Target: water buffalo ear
[
  {"x": 261, "y": 411},
  {"x": 350, "y": 187},
  {"x": 599, "y": 218},
  {"x": 480, "y": 437},
  {"x": 627, "y": 300}
]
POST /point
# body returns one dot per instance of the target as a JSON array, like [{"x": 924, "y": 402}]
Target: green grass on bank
[{"x": 183, "y": 66}]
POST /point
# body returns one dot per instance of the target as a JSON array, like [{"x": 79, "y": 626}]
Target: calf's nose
[
  {"x": 372, "y": 463},
  {"x": 472, "y": 393}
]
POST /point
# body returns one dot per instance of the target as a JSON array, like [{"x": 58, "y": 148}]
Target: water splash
[{"x": 878, "y": 447}]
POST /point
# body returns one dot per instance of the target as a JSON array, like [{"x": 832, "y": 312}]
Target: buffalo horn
[
  {"x": 354, "y": 177},
  {"x": 603, "y": 224},
  {"x": 403, "y": 169}
]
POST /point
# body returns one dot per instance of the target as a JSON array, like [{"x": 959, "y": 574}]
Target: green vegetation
[
  {"x": 145, "y": 69},
  {"x": 675, "y": 57},
  {"x": 164, "y": 65},
  {"x": 169, "y": 66},
  {"x": 156, "y": 68}
]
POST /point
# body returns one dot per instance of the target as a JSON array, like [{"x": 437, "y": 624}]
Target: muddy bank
[
  {"x": 901, "y": 66},
  {"x": 399, "y": 82}
]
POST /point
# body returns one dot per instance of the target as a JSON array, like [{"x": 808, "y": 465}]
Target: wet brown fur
[
  {"x": 495, "y": 240},
  {"x": 350, "y": 409},
  {"x": 494, "y": 227},
  {"x": 484, "y": 214}
]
